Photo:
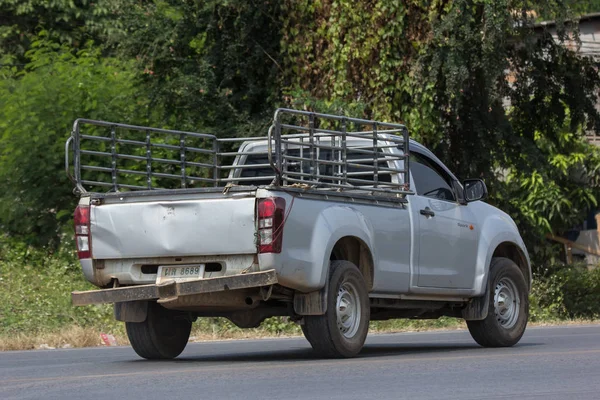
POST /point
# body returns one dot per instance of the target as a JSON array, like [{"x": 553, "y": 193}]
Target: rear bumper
[{"x": 172, "y": 290}]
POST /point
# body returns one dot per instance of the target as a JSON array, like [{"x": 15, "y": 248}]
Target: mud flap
[
  {"x": 131, "y": 311},
  {"x": 312, "y": 303},
  {"x": 477, "y": 309}
]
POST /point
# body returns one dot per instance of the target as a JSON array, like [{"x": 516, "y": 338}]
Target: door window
[{"x": 430, "y": 179}]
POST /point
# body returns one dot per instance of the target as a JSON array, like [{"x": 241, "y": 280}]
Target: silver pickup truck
[{"x": 329, "y": 220}]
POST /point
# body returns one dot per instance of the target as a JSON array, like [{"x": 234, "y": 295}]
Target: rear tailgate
[{"x": 131, "y": 227}]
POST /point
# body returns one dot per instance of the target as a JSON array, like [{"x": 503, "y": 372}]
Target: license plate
[{"x": 180, "y": 273}]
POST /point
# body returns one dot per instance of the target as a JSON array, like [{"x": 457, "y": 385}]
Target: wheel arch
[
  {"x": 499, "y": 238},
  {"x": 356, "y": 251},
  {"x": 513, "y": 252},
  {"x": 477, "y": 308}
]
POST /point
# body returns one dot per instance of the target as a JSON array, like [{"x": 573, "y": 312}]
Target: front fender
[{"x": 497, "y": 229}]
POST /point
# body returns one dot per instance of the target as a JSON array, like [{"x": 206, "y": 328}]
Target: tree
[
  {"x": 213, "y": 65},
  {"x": 208, "y": 66},
  {"x": 474, "y": 80},
  {"x": 37, "y": 108},
  {"x": 492, "y": 94},
  {"x": 515, "y": 103},
  {"x": 71, "y": 22}
]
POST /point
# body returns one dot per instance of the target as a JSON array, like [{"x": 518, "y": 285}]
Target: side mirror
[{"x": 474, "y": 189}]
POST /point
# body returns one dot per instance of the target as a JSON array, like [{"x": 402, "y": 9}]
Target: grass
[
  {"x": 35, "y": 294},
  {"x": 35, "y": 308},
  {"x": 77, "y": 336},
  {"x": 72, "y": 336},
  {"x": 203, "y": 330}
]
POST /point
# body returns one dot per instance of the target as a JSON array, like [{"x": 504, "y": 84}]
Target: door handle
[{"x": 427, "y": 212}]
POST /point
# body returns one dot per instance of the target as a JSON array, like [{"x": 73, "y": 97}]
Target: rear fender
[
  {"x": 309, "y": 240},
  {"x": 333, "y": 224}
]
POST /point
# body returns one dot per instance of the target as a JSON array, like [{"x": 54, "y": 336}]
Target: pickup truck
[{"x": 329, "y": 220}]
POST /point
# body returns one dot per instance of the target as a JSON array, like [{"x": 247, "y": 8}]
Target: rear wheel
[
  {"x": 163, "y": 335},
  {"x": 509, "y": 307},
  {"x": 342, "y": 330}
]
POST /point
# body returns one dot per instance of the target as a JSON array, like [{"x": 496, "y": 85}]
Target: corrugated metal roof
[{"x": 584, "y": 17}]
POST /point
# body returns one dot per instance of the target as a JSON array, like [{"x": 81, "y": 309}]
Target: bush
[
  {"x": 35, "y": 292},
  {"x": 37, "y": 108},
  {"x": 566, "y": 292}
]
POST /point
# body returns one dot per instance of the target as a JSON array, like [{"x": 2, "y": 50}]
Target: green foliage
[
  {"x": 515, "y": 104},
  {"x": 559, "y": 191},
  {"x": 358, "y": 52},
  {"x": 35, "y": 291},
  {"x": 566, "y": 292},
  {"x": 584, "y": 7},
  {"x": 474, "y": 81},
  {"x": 71, "y": 22},
  {"x": 37, "y": 108},
  {"x": 213, "y": 65},
  {"x": 547, "y": 9},
  {"x": 493, "y": 96}
]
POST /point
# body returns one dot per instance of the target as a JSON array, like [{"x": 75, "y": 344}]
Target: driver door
[{"x": 446, "y": 238}]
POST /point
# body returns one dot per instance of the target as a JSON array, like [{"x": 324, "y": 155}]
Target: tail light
[
  {"x": 82, "y": 232},
  {"x": 271, "y": 213}
]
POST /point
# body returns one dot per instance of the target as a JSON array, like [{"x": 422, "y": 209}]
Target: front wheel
[
  {"x": 163, "y": 335},
  {"x": 342, "y": 330},
  {"x": 509, "y": 306}
]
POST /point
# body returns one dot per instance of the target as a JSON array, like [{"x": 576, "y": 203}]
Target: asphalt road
[{"x": 549, "y": 363}]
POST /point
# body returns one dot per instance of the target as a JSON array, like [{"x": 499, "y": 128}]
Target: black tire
[
  {"x": 163, "y": 335},
  {"x": 326, "y": 337},
  {"x": 501, "y": 328}
]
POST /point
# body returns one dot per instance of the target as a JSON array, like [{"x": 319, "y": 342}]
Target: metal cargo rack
[
  {"x": 357, "y": 152},
  {"x": 303, "y": 149}
]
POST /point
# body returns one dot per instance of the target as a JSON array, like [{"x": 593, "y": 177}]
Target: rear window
[{"x": 264, "y": 175}]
